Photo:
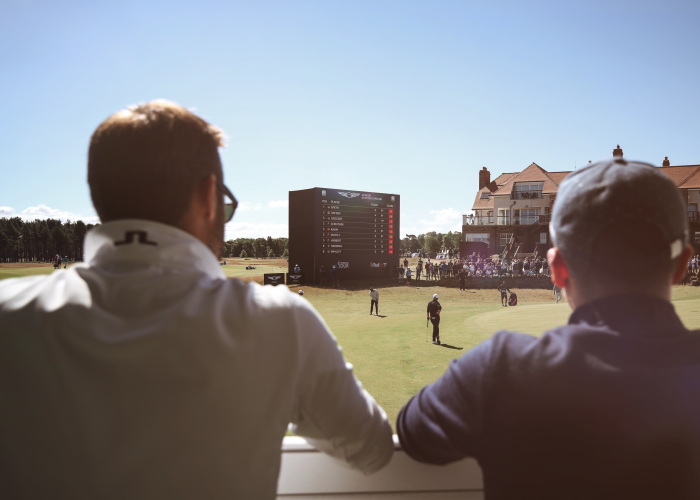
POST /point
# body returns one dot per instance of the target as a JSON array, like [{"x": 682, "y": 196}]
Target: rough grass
[{"x": 390, "y": 353}]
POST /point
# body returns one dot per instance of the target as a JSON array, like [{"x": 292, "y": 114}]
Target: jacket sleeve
[
  {"x": 442, "y": 423},
  {"x": 332, "y": 410}
]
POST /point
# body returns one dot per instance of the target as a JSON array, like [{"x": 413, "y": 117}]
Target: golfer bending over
[
  {"x": 144, "y": 373},
  {"x": 374, "y": 296},
  {"x": 607, "y": 406}
]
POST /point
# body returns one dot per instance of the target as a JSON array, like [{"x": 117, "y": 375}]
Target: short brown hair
[{"x": 145, "y": 162}]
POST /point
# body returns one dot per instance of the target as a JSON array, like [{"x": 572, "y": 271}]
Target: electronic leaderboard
[{"x": 356, "y": 231}]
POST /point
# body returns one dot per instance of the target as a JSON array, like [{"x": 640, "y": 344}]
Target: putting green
[
  {"x": 533, "y": 319},
  {"x": 538, "y": 318}
]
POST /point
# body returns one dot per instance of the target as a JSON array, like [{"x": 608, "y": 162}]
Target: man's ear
[
  {"x": 208, "y": 197},
  {"x": 682, "y": 264},
  {"x": 560, "y": 274}
]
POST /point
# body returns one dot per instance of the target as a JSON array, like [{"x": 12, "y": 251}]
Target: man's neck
[{"x": 579, "y": 296}]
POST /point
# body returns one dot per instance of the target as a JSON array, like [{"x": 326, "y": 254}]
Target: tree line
[
  {"x": 41, "y": 240},
  {"x": 431, "y": 242},
  {"x": 257, "y": 247}
]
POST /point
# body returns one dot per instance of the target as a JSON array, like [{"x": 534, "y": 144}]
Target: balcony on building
[
  {"x": 527, "y": 191},
  {"x": 521, "y": 217}
]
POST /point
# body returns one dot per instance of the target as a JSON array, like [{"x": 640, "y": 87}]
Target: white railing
[{"x": 307, "y": 473}]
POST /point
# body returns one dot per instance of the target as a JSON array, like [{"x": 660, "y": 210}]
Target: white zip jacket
[
  {"x": 145, "y": 373},
  {"x": 374, "y": 295}
]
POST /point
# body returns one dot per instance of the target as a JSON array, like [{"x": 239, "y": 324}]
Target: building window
[
  {"x": 503, "y": 216},
  {"x": 505, "y": 238},
  {"x": 490, "y": 217},
  {"x": 526, "y": 216},
  {"x": 543, "y": 237},
  {"x": 527, "y": 190},
  {"x": 478, "y": 237}
]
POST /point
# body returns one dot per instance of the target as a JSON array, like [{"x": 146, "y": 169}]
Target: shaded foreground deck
[{"x": 310, "y": 474}]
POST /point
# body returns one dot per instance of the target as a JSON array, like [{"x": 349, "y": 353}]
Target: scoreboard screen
[{"x": 357, "y": 231}]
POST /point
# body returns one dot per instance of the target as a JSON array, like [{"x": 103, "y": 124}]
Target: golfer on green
[{"x": 434, "y": 309}]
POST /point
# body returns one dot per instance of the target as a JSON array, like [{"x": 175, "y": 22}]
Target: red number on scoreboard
[
  {"x": 391, "y": 251},
  {"x": 391, "y": 226},
  {"x": 391, "y": 231},
  {"x": 391, "y": 211},
  {"x": 391, "y": 246},
  {"x": 391, "y": 217}
]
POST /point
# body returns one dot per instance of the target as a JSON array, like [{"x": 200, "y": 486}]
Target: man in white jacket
[{"x": 144, "y": 372}]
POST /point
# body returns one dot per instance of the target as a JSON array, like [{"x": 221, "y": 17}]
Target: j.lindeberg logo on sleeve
[{"x": 129, "y": 238}]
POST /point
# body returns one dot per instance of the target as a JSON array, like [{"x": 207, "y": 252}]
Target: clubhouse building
[{"x": 515, "y": 208}]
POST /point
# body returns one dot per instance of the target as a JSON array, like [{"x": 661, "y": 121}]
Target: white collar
[{"x": 137, "y": 241}]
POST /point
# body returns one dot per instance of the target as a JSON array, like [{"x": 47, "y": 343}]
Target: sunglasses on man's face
[{"x": 230, "y": 202}]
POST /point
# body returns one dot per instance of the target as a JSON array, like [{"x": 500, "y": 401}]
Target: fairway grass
[
  {"x": 391, "y": 353},
  {"x": 15, "y": 271}
]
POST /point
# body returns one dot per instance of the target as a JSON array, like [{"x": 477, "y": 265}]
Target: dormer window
[
  {"x": 527, "y": 190},
  {"x": 484, "y": 196}
]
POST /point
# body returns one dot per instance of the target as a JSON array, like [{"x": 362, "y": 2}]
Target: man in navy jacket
[{"x": 607, "y": 406}]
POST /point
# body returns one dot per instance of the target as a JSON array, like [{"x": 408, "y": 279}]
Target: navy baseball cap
[{"x": 615, "y": 193}]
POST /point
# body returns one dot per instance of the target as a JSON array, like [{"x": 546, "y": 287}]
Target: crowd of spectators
[
  {"x": 691, "y": 276},
  {"x": 485, "y": 266},
  {"x": 478, "y": 266}
]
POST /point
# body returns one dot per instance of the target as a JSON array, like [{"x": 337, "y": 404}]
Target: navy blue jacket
[{"x": 607, "y": 406}]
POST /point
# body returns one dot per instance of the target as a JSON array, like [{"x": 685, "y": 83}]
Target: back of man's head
[
  {"x": 620, "y": 221},
  {"x": 146, "y": 161}
]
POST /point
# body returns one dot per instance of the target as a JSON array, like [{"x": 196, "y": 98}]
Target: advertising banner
[
  {"x": 273, "y": 279},
  {"x": 295, "y": 279}
]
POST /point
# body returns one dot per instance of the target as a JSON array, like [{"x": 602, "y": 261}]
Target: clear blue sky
[{"x": 390, "y": 96}]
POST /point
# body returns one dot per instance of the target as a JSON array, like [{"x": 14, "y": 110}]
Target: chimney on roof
[
  {"x": 666, "y": 163},
  {"x": 617, "y": 152},
  {"x": 484, "y": 178}
]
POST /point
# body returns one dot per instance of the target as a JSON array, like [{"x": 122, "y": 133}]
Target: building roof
[
  {"x": 557, "y": 177},
  {"x": 683, "y": 176},
  {"x": 533, "y": 173},
  {"x": 482, "y": 203}
]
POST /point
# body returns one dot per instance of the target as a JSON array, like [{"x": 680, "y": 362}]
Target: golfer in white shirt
[{"x": 144, "y": 373}]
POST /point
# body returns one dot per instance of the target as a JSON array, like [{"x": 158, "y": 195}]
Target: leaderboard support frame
[{"x": 358, "y": 231}]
